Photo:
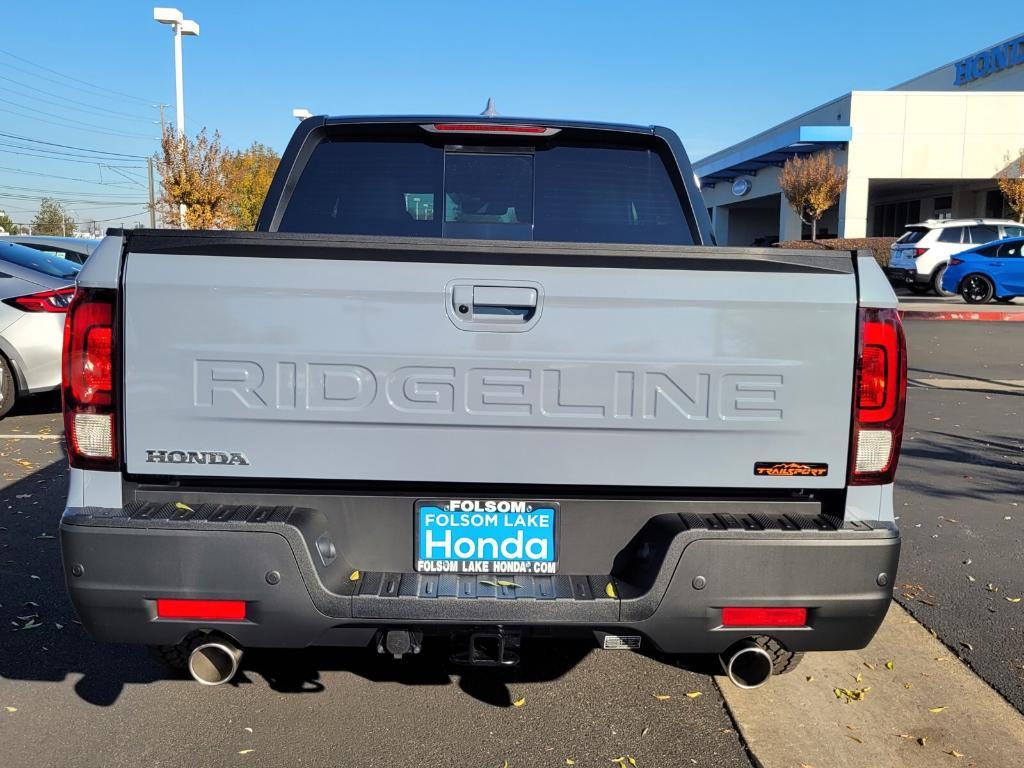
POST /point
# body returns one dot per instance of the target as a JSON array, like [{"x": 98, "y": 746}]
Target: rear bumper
[
  {"x": 899, "y": 276},
  {"x": 669, "y": 583}
]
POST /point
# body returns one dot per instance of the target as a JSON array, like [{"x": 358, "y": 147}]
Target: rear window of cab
[{"x": 561, "y": 192}]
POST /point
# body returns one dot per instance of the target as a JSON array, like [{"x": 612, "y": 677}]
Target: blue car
[{"x": 990, "y": 271}]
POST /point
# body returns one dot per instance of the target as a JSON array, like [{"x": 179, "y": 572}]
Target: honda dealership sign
[{"x": 985, "y": 63}]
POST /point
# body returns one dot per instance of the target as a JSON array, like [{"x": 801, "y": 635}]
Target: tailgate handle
[
  {"x": 504, "y": 296},
  {"x": 494, "y": 303}
]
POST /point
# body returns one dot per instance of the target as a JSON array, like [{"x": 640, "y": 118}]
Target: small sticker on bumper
[{"x": 621, "y": 642}]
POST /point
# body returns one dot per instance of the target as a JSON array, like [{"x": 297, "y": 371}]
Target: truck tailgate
[{"x": 344, "y": 358}]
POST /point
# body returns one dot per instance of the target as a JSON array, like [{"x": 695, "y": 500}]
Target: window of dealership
[{"x": 927, "y": 148}]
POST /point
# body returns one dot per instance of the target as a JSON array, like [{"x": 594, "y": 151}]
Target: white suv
[{"x": 918, "y": 259}]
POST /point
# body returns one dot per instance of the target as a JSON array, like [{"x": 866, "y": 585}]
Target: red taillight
[
  {"x": 880, "y": 397},
  {"x": 44, "y": 301},
  {"x": 920, "y": 252},
  {"x": 535, "y": 130},
  {"x": 201, "y": 610},
  {"x": 954, "y": 261},
  {"x": 764, "y": 617},
  {"x": 88, "y": 380}
]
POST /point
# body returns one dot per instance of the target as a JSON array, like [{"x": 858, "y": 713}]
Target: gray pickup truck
[{"x": 483, "y": 381}]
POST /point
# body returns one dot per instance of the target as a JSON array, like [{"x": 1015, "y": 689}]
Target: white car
[{"x": 918, "y": 259}]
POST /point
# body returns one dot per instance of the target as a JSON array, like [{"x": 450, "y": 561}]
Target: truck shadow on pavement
[
  {"x": 967, "y": 467},
  {"x": 41, "y": 640}
]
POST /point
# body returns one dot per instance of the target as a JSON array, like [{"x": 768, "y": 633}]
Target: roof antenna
[{"x": 489, "y": 110}]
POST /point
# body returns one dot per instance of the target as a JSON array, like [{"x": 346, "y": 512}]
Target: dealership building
[{"x": 927, "y": 148}]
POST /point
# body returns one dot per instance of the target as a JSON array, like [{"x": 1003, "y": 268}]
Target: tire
[
  {"x": 783, "y": 661},
  {"x": 977, "y": 289},
  {"x": 8, "y": 390},
  {"x": 917, "y": 289},
  {"x": 936, "y": 282},
  {"x": 174, "y": 656}
]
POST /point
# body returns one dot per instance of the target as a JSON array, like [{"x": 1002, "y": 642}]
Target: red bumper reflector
[
  {"x": 764, "y": 617},
  {"x": 201, "y": 610}
]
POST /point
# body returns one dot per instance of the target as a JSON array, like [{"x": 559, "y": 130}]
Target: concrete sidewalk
[
  {"x": 928, "y": 710},
  {"x": 955, "y": 308}
]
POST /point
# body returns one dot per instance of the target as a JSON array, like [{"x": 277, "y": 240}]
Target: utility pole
[{"x": 152, "y": 196}]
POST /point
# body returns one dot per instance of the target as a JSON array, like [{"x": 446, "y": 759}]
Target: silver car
[
  {"x": 35, "y": 291},
  {"x": 76, "y": 249}
]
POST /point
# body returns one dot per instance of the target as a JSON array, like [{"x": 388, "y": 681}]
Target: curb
[{"x": 923, "y": 314}]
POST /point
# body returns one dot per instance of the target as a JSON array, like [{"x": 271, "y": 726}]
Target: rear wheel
[
  {"x": 936, "y": 284},
  {"x": 8, "y": 392},
  {"x": 782, "y": 660},
  {"x": 977, "y": 289}
]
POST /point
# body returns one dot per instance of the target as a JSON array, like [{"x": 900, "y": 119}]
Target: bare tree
[
  {"x": 1011, "y": 184},
  {"x": 812, "y": 185}
]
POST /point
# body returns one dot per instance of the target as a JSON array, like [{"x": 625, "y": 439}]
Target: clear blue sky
[{"x": 716, "y": 72}]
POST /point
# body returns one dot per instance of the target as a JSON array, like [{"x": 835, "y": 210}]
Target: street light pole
[{"x": 180, "y": 26}]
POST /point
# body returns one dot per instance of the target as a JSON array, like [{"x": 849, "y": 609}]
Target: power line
[
  {"x": 86, "y": 109},
  {"x": 22, "y": 152},
  {"x": 71, "y": 146},
  {"x": 59, "y": 192},
  {"x": 77, "y": 125},
  {"x": 74, "y": 178},
  {"x": 74, "y": 79}
]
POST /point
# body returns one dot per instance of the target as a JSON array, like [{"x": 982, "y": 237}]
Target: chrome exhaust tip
[
  {"x": 213, "y": 662},
  {"x": 747, "y": 665}
]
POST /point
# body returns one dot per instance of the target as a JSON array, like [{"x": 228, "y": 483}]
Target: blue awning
[{"x": 770, "y": 150}]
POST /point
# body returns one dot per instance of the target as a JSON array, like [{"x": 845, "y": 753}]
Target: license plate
[
  {"x": 901, "y": 259},
  {"x": 499, "y": 536}
]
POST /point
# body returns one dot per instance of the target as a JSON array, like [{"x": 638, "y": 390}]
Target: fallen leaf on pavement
[
  {"x": 570, "y": 761},
  {"x": 922, "y": 740},
  {"x": 968, "y": 646},
  {"x": 908, "y": 686},
  {"x": 245, "y": 751},
  {"x": 936, "y": 710},
  {"x": 954, "y": 753},
  {"x": 889, "y": 665},
  {"x": 847, "y": 695},
  {"x": 991, "y": 587},
  {"x": 1012, "y": 599},
  {"x": 354, "y": 576},
  {"x": 851, "y": 736},
  {"x": 610, "y": 590},
  {"x": 645, "y": 731},
  {"x": 519, "y": 702},
  {"x": 694, "y": 695},
  {"x": 10, "y": 709},
  {"x": 810, "y": 678},
  {"x": 187, "y": 508},
  {"x": 869, "y": 666},
  {"x": 662, "y": 696},
  {"x": 858, "y": 678}
]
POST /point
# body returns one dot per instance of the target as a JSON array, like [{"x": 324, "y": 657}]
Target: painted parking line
[
  {"x": 982, "y": 385},
  {"x": 31, "y": 437},
  {"x": 928, "y": 710}
]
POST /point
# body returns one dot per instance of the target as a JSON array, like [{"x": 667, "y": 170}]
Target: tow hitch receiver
[{"x": 493, "y": 647}]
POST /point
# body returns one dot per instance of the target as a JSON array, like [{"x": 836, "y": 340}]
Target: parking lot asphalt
[
  {"x": 79, "y": 703},
  {"x": 960, "y": 495}
]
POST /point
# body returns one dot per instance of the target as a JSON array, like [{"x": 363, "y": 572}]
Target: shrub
[{"x": 879, "y": 246}]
